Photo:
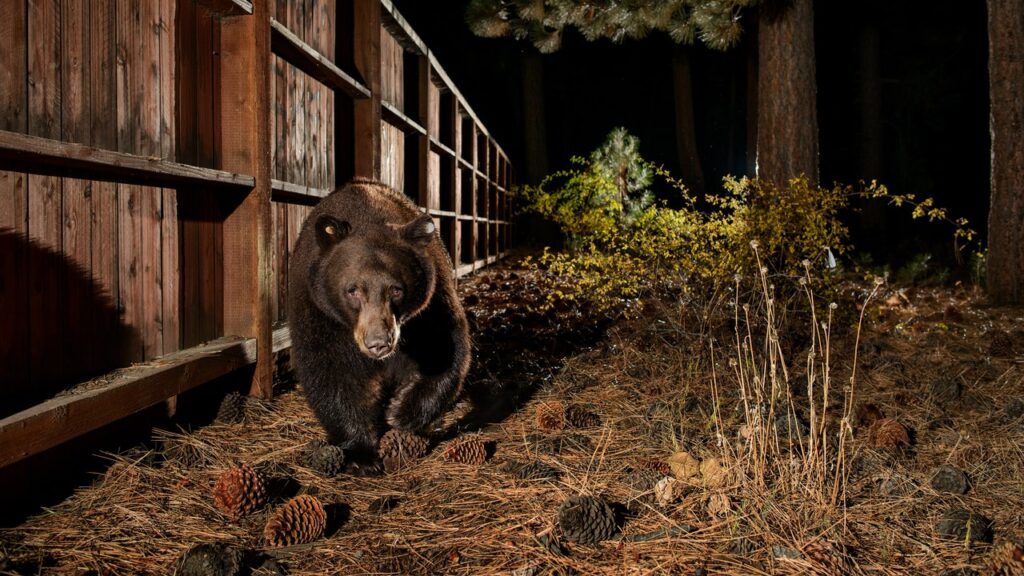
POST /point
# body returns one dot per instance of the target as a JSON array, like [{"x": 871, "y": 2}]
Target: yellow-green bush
[{"x": 619, "y": 249}]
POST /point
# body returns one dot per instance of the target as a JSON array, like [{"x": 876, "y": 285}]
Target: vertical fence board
[
  {"x": 144, "y": 84},
  {"x": 170, "y": 247},
  {"x": 129, "y": 224},
  {"x": 186, "y": 120},
  {"x": 243, "y": 100},
  {"x": 103, "y": 133},
  {"x": 77, "y": 205},
  {"x": 44, "y": 195},
  {"x": 328, "y": 44},
  {"x": 298, "y": 146},
  {"x": 280, "y": 87},
  {"x": 455, "y": 129},
  {"x": 14, "y": 366},
  {"x": 366, "y": 112}
]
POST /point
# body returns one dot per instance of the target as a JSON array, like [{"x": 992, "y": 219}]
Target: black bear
[{"x": 378, "y": 332}]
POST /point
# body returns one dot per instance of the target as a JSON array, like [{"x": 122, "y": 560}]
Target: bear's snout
[
  {"x": 378, "y": 347},
  {"x": 377, "y": 333}
]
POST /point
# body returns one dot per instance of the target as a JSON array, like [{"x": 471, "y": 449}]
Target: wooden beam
[
  {"x": 119, "y": 394},
  {"x": 291, "y": 48},
  {"x": 439, "y": 147},
  {"x": 469, "y": 268},
  {"x": 25, "y": 153},
  {"x": 392, "y": 115},
  {"x": 227, "y": 7},
  {"x": 291, "y": 193},
  {"x": 399, "y": 27},
  {"x": 244, "y": 111}
]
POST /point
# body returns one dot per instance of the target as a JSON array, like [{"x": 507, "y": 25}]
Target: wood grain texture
[
  {"x": 44, "y": 198},
  {"x": 1006, "y": 212},
  {"x": 77, "y": 202},
  {"x": 244, "y": 103},
  {"x": 58, "y": 420},
  {"x": 366, "y": 40},
  {"x": 787, "y": 118},
  {"x": 170, "y": 248},
  {"x": 14, "y": 360}
]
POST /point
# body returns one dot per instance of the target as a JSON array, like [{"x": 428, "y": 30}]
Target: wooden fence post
[
  {"x": 366, "y": 36},
  {"x": 245, "y": 148}
]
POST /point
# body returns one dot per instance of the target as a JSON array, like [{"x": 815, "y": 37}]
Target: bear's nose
[{"x": 379, "y": 347}]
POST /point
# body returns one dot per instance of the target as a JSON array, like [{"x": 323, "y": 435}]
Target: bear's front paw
[
  {"x": 403, "y": 416},
  {"x": 372, "y": 467}
]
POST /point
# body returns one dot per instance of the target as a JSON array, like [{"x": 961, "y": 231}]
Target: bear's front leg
[
  {"x": 352, "y": 414},
  {"x": 419, "y": 400}
]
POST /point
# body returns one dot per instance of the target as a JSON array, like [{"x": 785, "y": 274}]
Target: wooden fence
[{"x": 157, "y": 160}]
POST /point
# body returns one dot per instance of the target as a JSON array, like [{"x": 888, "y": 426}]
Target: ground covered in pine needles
[{"x": 673, "y": 417}]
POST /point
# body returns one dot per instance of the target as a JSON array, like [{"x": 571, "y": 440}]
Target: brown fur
[{"x": 378, "y": 332}]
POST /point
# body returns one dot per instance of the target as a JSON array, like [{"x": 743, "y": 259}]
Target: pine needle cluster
[{"x": 716, "y": 23}]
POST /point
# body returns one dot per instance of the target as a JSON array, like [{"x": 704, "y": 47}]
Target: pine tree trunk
[
  {"x": 686, "y": 135},
  {"x": 873, "y": 215},
  {"x": 533, "y": 118},
  {"x": 1006, "y": 92},
  {"x": 787, "y": 111},
  {"x": 751, "y": 48}
]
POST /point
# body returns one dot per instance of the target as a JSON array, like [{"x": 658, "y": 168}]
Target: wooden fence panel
[{"x": 158, "y": 133}]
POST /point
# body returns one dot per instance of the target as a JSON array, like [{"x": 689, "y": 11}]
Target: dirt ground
[{"x": 692, "y": 426}]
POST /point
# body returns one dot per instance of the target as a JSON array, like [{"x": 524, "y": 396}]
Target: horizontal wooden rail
[
  {"x": 23, "y": 153},
  {"x": 291, "y": 193},
  {"x": 442, "y": 148},
  {"x": 399, "y": 27},
  {"x": 392, "y": 115},
  {"x": 443, "y": 213},
  {"x": 287, "y": 45},
  {"x": 469, "y": 268},
  {"x": 129, "y": 390}
]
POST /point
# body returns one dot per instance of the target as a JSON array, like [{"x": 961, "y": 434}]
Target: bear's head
[{"x": 373, "y": 280}]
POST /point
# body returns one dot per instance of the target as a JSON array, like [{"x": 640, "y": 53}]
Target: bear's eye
[
  {"x": 352, "y": 290},
  {"x": 396, "y": 292}
]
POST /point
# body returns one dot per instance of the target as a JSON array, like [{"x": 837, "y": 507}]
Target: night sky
[{"x": 934, "y": 102}]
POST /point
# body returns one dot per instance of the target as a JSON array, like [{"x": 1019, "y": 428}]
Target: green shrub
[{"x": 621, "y": 245}]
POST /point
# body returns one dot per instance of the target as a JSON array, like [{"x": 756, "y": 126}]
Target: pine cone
[
  {"x": 868, "y": 414},
  {"x": 232, "y": 409},
  {"x": 211, "y": 559},
  {"x": 239, "y": 491},
  {"x": 1000, "y": 344},
  {"x": 888, "y": 433},
  {"x": 580, "y": 417},
  {"x": 828, "y": 555},
  {"x": 323, "y": 458},
  {"x": 586, "y": 520},
  {"x": 550, "y": 416},
  {"x": 654, "y": 464},
  {"x": 644, "y": 481},
  {"x": 397, "y": 448},
  {"x": 466, "y": 451},
  {"x": 299, "y": 520},
  {"x": 531, "y": 470},
  {"x": 1007, "y": 559}
]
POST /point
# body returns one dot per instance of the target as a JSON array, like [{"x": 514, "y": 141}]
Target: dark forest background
[{"x": 902, "y": 98}]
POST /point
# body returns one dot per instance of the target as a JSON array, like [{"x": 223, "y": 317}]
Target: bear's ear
[
  {"x": 419, "y": 231},
  {"x": 330, "y": 230}
]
